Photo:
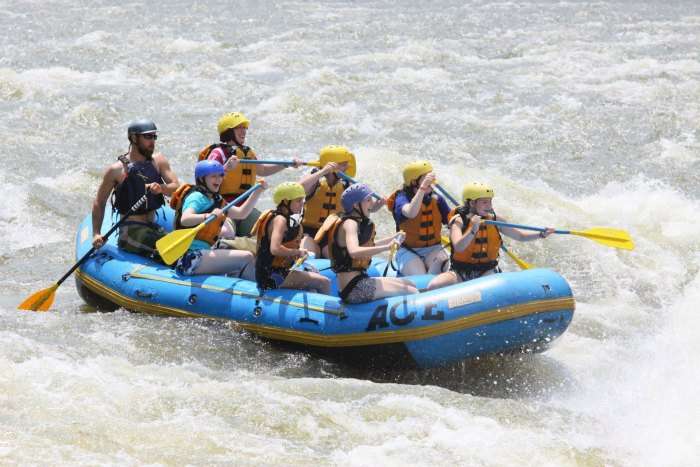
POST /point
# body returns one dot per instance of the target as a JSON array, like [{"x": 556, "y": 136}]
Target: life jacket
[
  {"x": 241, "y": 178},
  {"x": 482, "y": 253},
  {"x": 133, "y": 187},
  {"x": 210, "y": 232},
  {"x": 341, "y": 261},
  {"x": 424, "y": 229},
  {"x": 265, "y": 260},
  {"x": 323, "y": 202}
]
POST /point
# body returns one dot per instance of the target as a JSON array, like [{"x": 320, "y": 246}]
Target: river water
[{"x": 578, "y": 113}]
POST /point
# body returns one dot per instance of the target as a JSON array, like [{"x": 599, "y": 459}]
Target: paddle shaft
[
  {"x": 285, "y": 163},
  {"x": 240, "y": 198},
  {"x": 444, "y": 193},
  {"x": 109, "y": 232},
  {"x": 454, "y": 201},
  {"x": 351, "y": 180},
  {"x": 499, "y": 223},
  {"x": 525, "y": 227}
]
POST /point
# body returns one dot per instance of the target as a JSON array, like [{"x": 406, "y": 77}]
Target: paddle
[
  {"x": 299, "y": 262},
  {"x": 446, "y": 194},
  {"x": 520, "y": 262},
  {"x": 392, "y": 253},
  {"x": 614, "y": 238},
  {"x": 43, "y": 299},
  {"x": 317, "y": 163},
  {"x": 176, "y": 243},
  {"x": 285, "y": 163},
  {"x": 351, "y": 180}
]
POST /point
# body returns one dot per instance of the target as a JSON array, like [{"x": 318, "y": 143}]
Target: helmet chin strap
[
  {"x": 203, "y": 183},
  {"x": 286, "y": 205},
  {"x": 358, "y": 208}
]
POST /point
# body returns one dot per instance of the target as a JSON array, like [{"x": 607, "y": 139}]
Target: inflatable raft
[{"x": 509, "y": 312}]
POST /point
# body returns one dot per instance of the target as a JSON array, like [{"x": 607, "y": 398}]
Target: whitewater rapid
[{"x": 580, "y": 114}]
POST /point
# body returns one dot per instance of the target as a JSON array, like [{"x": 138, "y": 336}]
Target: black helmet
[{"x": 141, "y": 127}]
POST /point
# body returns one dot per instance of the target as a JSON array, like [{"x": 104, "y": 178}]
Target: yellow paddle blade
[
  {"x": 313, "y": 163},
  {"x": 175, "y": 244},
  {"x": 614, "y": 238},
  {"x": 519, "y": 261},
  {"x": 39, "y": 301}
]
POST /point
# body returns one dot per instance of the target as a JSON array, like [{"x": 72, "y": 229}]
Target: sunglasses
[{"x": 149, "y": 136}]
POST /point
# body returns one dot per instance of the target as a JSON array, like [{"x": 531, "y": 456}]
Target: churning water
[{"x": 580, "y": 114}]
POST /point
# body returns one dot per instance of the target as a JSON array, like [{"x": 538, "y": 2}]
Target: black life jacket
[
  {"x": 265, "y": 261},
  {"x": 133, "y": 187},
  {"x": 341, "y": 261}
]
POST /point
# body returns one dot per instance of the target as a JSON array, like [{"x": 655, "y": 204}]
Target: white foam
[
  {"x": 55, "y": 80},
  {"x": 93, "y": 39},
  {"x": 180, "y": 45},
  {"x": 18, "y": 226},
  {"x": 644, "y": 398}
]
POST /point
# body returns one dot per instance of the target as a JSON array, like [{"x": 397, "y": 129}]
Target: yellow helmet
[
  {"x": 231, "y": 120},
  {"x": 288, "y": 191},
  {"x": 476, "y": 190},
  {"x": 339, "y": 154},
  {"x": 415, "y": 170}
]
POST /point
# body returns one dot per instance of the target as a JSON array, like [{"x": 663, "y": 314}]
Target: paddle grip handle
[{"x": 351, "y": 180}]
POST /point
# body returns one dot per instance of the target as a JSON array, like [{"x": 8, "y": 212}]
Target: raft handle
[
  {"x": 144, "y": 294},
  {"x": 102, "y": 258},
  {"x": 304, "y": 319}
]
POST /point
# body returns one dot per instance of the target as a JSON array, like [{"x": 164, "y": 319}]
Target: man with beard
[{"x": 137, "y": 172}]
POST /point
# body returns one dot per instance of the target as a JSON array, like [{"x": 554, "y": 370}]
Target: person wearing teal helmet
[
  {"x": 193, "y": 205},
  {"x": 140, "y": 171}
]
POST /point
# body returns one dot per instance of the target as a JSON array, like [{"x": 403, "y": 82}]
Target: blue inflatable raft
[{"x": 509, "y": 312}]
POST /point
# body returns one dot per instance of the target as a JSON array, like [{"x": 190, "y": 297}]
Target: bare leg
[
  {"x": 391, "y": 286},
  {"x": 443, "y": 280},
  {"x": 310, "y": 244},
  {"x": 228, "y": 229},
  {"x": 305, "y": 280},
  {"x": 225, "y": 261},
  {"x": 413, "y": 267},
  {"x": 437, "y": 261}
]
